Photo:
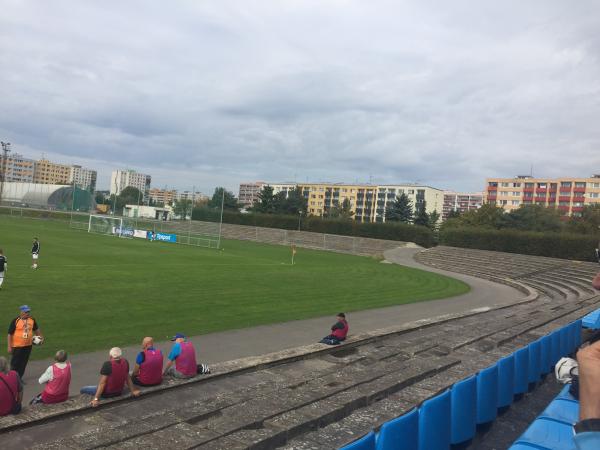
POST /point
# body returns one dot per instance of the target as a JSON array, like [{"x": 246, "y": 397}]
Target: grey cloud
[{"x": 217, "y": 93}]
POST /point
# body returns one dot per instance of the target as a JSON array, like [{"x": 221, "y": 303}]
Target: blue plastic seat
[
  {"x": 564, "y": 394},
  {"x": 563, "y": 334},
  {"x": 571, "y": 336},
  {"x": 521, "y": 383},
  {"x": 534, "y": 369},
  {"x": 592, "y": 320},
  {"x": 555, "y": 347},
  {"x": 565, "y": 411},
  {"x": 487, "y": 394},
  {"x": 524, "y": 447},
  {"x": 549, "y": 434},
  {"x": 400, "y": 433},
  {"x": 546, "y": 354},
  {"x": 464, "y": 410},
  {"x": 577, "y": 332},
  {"x": 434, "y": 423},
  {"x": 366, "y": 442},
  {"x": 506, "y": 379}
]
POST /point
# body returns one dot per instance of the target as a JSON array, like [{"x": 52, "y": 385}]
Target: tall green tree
[
  {"x": 588, "y": 223},
  {"x": 130, "y": 196},
  {"x": 343, "y": 211},
  {"x": 532, "y": 218},
  {"x": 400, "y": 211},
  {"x": 434, "y": 219},
  {"x": 230, "y": 201},
  {"x": 265, "y": 203},
  {"x": 296, "y": 202},
  {"x": 183, "y": 208},
  {"x": 422, "y": 218}
]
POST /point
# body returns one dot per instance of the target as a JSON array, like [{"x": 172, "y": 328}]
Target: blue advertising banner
[{"x": 165, "y": 237}]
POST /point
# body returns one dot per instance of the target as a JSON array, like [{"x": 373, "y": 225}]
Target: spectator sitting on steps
[
  {"x": 11, "y": 389},
  {"x": 57, "y": 378},
  {"x": 148, "y": 368},
  {"x": 339, "y": 331},
  {"x": 183, "y": 355},
  {"x": 113, "y": 376}
]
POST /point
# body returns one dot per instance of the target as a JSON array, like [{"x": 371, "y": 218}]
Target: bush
[
  {"x": 391, "y": 231},
  {"x": 556, "y": 245}
]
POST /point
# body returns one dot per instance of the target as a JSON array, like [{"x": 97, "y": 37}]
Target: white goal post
[{"x": 115, "y": 226}]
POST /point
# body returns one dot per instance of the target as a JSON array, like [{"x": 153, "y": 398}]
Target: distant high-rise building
[
  {"x": 195, "y": 196},
  {"x": 19, "y": 169},
  {"x": 120, "y": 179},
  {"x": 162, "y": 196},
  {"x": 461, "y": 202},
  {"x": 47, "y": 172},
  {"x": 83, "y": 178},
  {"x": 249, "y": 192},
  {"x": 568, "y": 195}
]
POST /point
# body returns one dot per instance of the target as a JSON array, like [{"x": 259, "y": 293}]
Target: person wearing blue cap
[
  {"x": 183, "y": 356},
  {"x": 21, "y": 331}
]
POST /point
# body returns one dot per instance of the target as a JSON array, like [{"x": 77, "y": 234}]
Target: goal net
[{"x": 116, "y": 226}]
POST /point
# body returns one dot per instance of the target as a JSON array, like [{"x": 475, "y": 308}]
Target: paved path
[{"x": 233, "y": 344}]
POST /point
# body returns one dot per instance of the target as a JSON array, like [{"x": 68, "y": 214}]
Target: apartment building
[
  {"x": 18, "y": 168},
  {"x": 84, "y": 178},
  {"x": 461, "y": 202},
  {"x": 47, "y": 172},
  {"x": 120, "y": 179},
  {"x": 368, "y": 202},
  {"x": 162, "y": 196},
  {"x": 568, "y": 195},
  {"x": 249, "y": 191},
  {"x": 195, "y": 196}
]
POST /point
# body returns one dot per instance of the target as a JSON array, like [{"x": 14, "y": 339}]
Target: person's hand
[
  {"x": 588, "y": 359},
  {"x": 136, "y": 392},
  {"x": 95, "y": 402}
]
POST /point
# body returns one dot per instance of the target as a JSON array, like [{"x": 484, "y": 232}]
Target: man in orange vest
[{"x": 21, "y": 331}]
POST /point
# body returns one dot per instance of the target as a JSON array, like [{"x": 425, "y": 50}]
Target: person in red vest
[
  {"x": 11, "y": 389},
  {"x": 148, "y": 367},
  {"x": 183, "y": 356},
  {"x": 114, "y": 374},
  {"x": 339, "y": 331},
  {"x": 57, "y": 378}
]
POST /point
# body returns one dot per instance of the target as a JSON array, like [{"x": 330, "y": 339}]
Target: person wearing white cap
[
  {"x": 113, "y": 376},
  {"x": 21, "y": 331}
]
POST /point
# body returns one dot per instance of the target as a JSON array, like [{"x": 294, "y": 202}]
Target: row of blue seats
[
  {"x": 553, "y": 428},
  {"x": 452, "y": 416},
  {"x": 592, "y": 320}
]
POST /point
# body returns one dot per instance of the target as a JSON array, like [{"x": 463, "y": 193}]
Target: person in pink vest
[
  {"x": 182, "y": 359},
  {"x": 57, "y": 378},
  {"x": 114, "y": 374},
  {"x": 11, "y": 389},
  {"x": 339, "y": 331},
  {"x": 148, "y": 368}
]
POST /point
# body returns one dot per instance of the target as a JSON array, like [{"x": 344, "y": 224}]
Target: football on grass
[{"x": 38, "y": 340}]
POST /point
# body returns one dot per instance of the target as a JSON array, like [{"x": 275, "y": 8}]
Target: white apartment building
[
  {"x": 84, "y": 178},
  {"x": 18, "y": 168},
  {"x": 120, "y": 179}
]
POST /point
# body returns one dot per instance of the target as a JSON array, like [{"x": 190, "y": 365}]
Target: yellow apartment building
[
  {"x": 47, "y": 172},
  {"x": 568, "y": 195}
]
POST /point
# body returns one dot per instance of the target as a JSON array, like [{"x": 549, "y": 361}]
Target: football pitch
[{"x": 93, "y": 292}]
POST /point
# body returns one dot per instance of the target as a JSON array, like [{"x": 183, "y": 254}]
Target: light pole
[
  {"x": 5, "y": 151},
  {"x": 299, "y": 218}
]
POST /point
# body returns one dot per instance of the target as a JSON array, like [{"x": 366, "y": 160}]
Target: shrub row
[
  {"x": 556, "y": 245},
  {"x": 391, "y": 231}
]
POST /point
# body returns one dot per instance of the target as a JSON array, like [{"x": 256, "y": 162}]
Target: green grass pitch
[{"x": 92, "y": 292}]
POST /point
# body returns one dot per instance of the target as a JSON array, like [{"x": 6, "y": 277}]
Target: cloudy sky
[{"x": 211, "y": 93}]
